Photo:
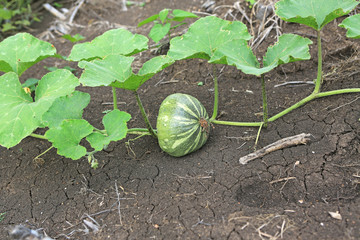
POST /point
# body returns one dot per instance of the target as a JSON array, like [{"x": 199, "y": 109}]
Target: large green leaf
[
  {"x": 115, "y": 70},
  {"x": 147, "y": 71},
  {"x": 289, "y": 48},
  {"x": 205, "y": 36},
  {"x": 66, "y": 138},
  {"x": 19, "y": 115},
  {"x": 113, "y": 42},
  {"x": 102, "y": 72},
  {"x": 238, "y": 53},
  {"x": 66, "y": 107},
  {"x": 352, "y": 24},
  {"x": 116, "y": 129},
  {"x": 313, "y": 13},
  {"x": 21, "y": 51}
]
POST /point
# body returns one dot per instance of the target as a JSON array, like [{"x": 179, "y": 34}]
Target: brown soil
[{"x": 206, "y": 195}]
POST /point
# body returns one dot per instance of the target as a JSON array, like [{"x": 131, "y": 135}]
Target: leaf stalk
[
  {"x": 265, "y": 107},
  {"x": 144, "y": 115},
  {"x": 216, "y": 95},
  {"x": 38, "y": 136},
  {"x": 319, "y": 72},
  {"x": 114, "y": 98}
]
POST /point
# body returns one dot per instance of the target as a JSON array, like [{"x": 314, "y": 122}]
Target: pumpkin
[{"x": 183, "y": 125}]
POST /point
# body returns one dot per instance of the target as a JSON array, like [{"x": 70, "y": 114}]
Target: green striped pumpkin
[{"x": 183, "y": 125}]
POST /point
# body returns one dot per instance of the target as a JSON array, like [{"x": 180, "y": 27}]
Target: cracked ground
[{"x": 139, "y": 192}]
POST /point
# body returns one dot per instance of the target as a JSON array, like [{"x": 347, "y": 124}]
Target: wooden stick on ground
[{"x": 302, "y": 138}]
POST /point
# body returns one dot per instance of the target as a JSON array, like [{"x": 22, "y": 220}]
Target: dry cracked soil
[{"x": 139, "y": 192}]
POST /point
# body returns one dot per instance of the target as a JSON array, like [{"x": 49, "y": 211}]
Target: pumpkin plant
[
  {"x": 321, "y": 13},
  {"x": 57, "y": 106},
  {"x": 108, "y": 63},
  {"x": 183, "y": 126},
  {"x": 227, "y": 44},
  {"x": 289, "y": 48},
  {"x": 163, "y": 21}
]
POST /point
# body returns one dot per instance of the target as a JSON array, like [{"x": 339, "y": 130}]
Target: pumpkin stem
[
  {"x": 204, "y": 124},
  {"x": 143, "y": 113}
]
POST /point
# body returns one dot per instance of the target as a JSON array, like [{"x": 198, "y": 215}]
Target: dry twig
[
  {"x": 282, "y": 179},
  {"x": 302, "y": 138}
]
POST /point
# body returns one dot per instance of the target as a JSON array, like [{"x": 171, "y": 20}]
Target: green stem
[
  {"x": 100, "y": 131},
  {"x": 265, "y": 107},
  {"x": 239, "y": 124},
  {"x": 319, "y": 73},
  {"x": 114, "y": 98},
  {"x": 139, "y": 131},
  {"x": 258, "y": 136},
  {"x": 311, "y": 97},
  {"x": 216, "y": 95},
  {"x": 336, "y": 92},
  {"x": 296, "y": 105},
  {"x": 38, "y": 136},
  {"x": 143, "y": 113},
  {"x": 169, "y": 35},
  {"x": 38, "y": 156}
]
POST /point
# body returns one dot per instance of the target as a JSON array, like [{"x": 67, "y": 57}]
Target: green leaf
[
  {"x": 66, "y": 138},
  {"x": 7, "y": 27},
  {"x": 159, "y": 31},
  {"x": 180, "y": 15},
  {"x": 163, "y": 14},
  {"x": 55, "y": 84},
  {"x": 113, "y": 42},
  {"x": 30, "y": 83},
  {"x": 205, "y": 36},
  {"x": 21, "y": 51},
  {"x": 58, "y": 5},
  {"x": 115, "y": 70},
  {"x": 66, "y": 107},
  {"x": 148, "y": 20},
  {"x": 102, "y": 72},
  {"x": 252, "y": 2},
  {"x": 238, "y": 53},
  {"x": 116, "y": 129},
  {"x": 313, "y": 13},
  {"x": 352, "y": 24},
  {"x": 2, "y": 216},
  {"x": 76, "y": 38},
  {"x": 289, "y": 48},
  {"x": 5, "y": 14},
  {"x": 23, "y": 22},
  {"x": 147, "y": 71},
  {"x": 51, "y": 69},
  {"x": 20, "y": 115}
]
